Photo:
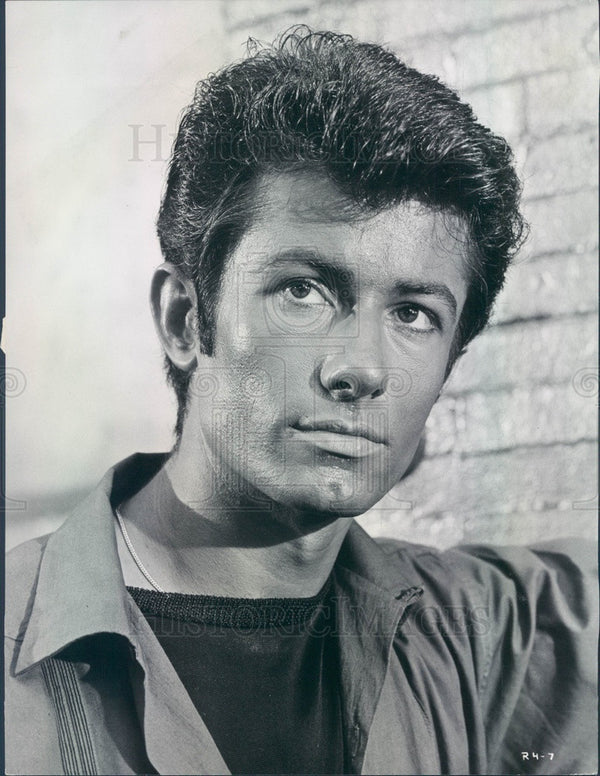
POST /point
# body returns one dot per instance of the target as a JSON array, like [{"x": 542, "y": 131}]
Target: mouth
[{"x": 338, "y": 437}]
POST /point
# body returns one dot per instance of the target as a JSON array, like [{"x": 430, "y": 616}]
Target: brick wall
[
  {"x": 510, "y": 452},
  {"x": 510, "y": 446}
]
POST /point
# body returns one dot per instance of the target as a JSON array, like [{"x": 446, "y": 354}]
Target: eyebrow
[
  {"x": 429, "y": 289},
  {"x": 313, "y": 259},
  {"x": 346, "y": 276}
]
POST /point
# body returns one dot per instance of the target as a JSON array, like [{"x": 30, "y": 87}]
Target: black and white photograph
[{"x": 300, "y": 388}]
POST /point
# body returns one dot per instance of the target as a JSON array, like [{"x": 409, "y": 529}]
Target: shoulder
[
  {"x": 22, "y": 569},
  {"x": 556, "y": 575},
  {"x": 576, "y": 555}
]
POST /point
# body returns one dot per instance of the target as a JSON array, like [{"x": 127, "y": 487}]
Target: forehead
[{"x": 305, "y": 212}]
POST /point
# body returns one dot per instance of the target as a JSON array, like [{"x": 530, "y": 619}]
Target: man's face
[{"x": 333, "y": 334}]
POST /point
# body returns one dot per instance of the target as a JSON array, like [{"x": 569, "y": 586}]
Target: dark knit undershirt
[{"x": 263, "y": 674}]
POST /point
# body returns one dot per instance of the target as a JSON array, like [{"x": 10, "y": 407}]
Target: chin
[{"x": 333, "y": 498}]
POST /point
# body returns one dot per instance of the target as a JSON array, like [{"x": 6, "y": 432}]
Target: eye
[
  {"x": 300, "y": 289},
  {"x": 301, "y": 304},
  {"x": 304, "y": 292},
  {"x": 416, "y": 318}
]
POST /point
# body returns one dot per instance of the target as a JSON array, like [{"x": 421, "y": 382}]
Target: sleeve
[{"x": 539, "y": 684}]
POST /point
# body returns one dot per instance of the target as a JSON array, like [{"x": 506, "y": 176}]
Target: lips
[{"x": 351, "y": 440}]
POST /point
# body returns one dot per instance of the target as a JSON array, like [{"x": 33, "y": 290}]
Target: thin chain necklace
[{"x": 134, "y": 554}]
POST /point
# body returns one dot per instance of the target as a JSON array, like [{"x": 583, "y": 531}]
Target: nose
[{"x": 357, "y": 371}]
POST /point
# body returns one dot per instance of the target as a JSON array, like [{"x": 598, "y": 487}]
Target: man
[{"x": 335, "y": 229}]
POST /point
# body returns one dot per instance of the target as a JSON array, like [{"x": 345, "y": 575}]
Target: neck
[{"x": 191, "y": 542}]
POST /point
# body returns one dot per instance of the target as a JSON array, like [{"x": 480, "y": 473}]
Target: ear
[{"x": 174, "y": 308}]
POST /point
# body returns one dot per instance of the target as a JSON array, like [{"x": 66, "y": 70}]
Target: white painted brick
[
  {"x": 265, "y": 28},
  {"x": 443, "y": 425},
  {"x": 501, "y": 108},
  {"x": 562, "y": 223},
  {"x": 561, "y": 164},
  {"x": 365, "y": 21},
  {"x": 448, "y": 530},
  {"x": 431, "y": 55},
  {"x": 521, "y": 481},
  {"x": 551, "y": 285},
  {"x": 556, "y": 101},
  {"x": 527, "y": 354},
  {"x": 435, "y": 530},
  {"x": 243, "y": 12},
  {"x": 558, "y": 41},
  {"x": 530, "y": 527},
  {"x": 542, "y": 414},
  {"x": 412, "y": 18}
]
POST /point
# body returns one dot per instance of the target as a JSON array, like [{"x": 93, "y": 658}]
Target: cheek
[
  {"x": 411, "y": 398},
  {"x": 253, "y": 384}
]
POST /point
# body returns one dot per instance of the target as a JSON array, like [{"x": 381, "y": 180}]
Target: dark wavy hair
[{"x": 382, "y": 131}]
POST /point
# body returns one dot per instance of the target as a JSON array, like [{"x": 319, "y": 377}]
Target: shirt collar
[
  {"x": 388, "y": 572},
  {"x": 80, "y": 588}
]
